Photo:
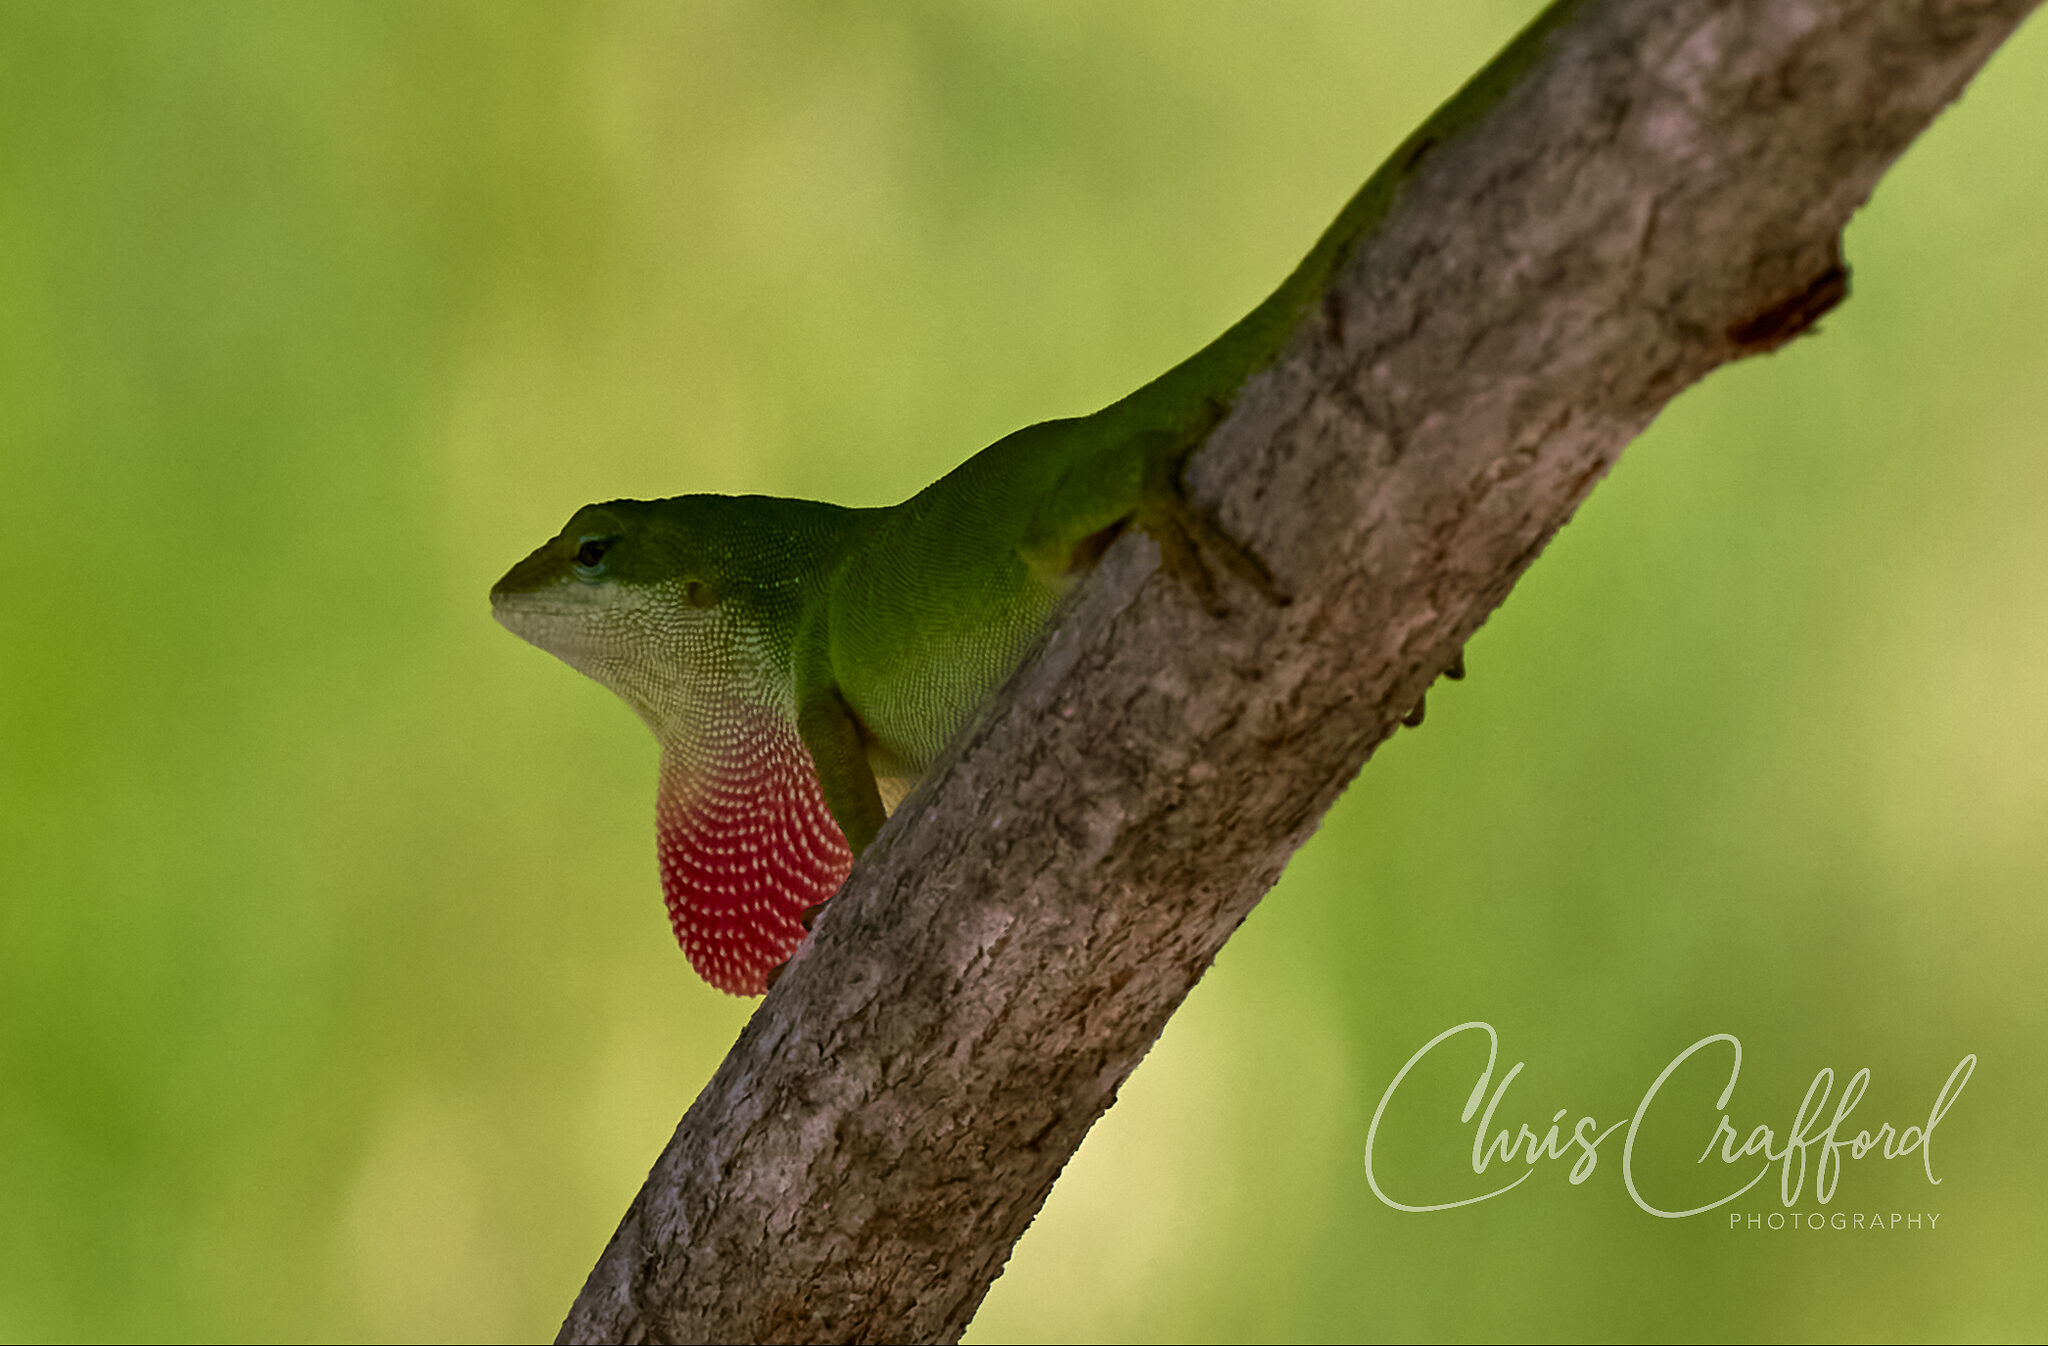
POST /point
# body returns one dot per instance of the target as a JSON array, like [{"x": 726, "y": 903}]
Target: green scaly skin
[{"x": 786, "y": 650}]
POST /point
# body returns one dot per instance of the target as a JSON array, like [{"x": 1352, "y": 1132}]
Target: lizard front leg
[
  {"x": 839, "y": 751},
  {"x": 838, "y": 748}
]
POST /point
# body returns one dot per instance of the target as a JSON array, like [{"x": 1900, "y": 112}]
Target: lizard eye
[{"x": 590, "y": 555}]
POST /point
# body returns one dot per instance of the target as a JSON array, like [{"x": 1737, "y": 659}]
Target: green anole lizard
[{"x": 802, "y": 664}]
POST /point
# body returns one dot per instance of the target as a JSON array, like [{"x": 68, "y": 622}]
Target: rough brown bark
[{"x": 1660, "y": 191}]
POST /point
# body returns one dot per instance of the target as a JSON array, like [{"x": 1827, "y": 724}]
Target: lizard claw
[
  {"x": 810, "y": 915},
  {"x": 1455, "y": 672}
]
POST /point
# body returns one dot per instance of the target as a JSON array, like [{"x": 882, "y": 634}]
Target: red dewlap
[{"x": 747, "y": 846}]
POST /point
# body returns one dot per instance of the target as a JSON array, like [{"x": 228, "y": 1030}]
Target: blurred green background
[{"x": 336, "y": 996}]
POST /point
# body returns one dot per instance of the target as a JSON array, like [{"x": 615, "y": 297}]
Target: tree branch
[{"x": 1630, "y": 196}]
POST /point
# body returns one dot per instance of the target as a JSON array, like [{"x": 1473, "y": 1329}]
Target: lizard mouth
[
  {"x": 511, "y": 608},
  {"x": 562, "y": 620}
]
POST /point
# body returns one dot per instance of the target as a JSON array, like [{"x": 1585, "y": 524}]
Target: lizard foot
[
  {"x": 1186, "y": 534},
  {"x": 808, "y": 919},
  {"x": 1455, "y": 672}
]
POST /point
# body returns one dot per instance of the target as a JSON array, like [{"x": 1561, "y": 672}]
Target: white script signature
[{"x": 1814, "y": 1131}]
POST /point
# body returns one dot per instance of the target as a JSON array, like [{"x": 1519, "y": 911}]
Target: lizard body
[{"x": 802, "y": 664}]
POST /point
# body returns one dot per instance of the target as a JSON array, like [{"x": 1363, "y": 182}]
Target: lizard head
[
  {"x": 688, "y": 609},
  {"x": 633, "y": 593}
]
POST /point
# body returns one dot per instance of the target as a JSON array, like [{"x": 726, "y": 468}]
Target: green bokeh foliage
[{"x": 335, "y": 994}]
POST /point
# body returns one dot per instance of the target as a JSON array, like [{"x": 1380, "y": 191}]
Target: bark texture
[{"x": 1649, "y": 190}]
